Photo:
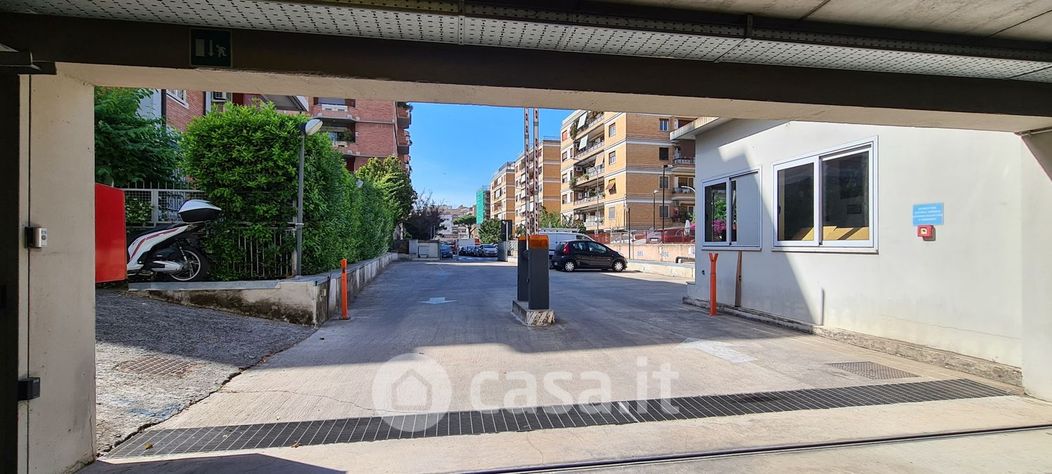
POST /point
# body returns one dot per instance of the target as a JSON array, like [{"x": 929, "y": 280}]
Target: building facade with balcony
[
  {"x": 502, "y": 193},
  {"x": 359, "y": 129},
  {"x": 546, "y": 195},
  {"x": 365, "y": 129},
  {"x": 612, "y": 168}
]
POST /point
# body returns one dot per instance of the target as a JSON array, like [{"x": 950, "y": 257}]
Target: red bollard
[
  {"x": 343, "y": 287},
  {"x": 712, "y": 282}
]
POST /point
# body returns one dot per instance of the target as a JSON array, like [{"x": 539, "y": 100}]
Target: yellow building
[
  {"x": 547, "y": 192},
  {"x": 502, "y": 193},
  {"x": 612, "y": 167}
]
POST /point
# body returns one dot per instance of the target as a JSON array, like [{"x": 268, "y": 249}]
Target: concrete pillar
[
  {"x": 57, "y": 308},
  {"x": 1035, "y": 228}
]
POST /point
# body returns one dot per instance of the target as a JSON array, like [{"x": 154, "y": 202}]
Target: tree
[
  {"x": 464, "y": 220},
  {"x": 489, "y": 231},
  {"x": 390, "y": 177},
  {"x": 554, "y": 219},
  {"x": 129, "y": 148},
  {"x": 425, "y": 219}
]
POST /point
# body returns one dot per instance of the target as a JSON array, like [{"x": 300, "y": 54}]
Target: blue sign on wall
[{"x": 927, "y": 214}]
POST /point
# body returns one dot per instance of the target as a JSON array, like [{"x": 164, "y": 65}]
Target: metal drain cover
[
  {"x": 872, "y": 370},
  {"x": 154, "y": 365}
]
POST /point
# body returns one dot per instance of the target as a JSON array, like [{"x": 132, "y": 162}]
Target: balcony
[
  {"x": 589, "y": 123},
  {"x": 589, "y": 201},
  {"x": 593, "y": 221},
  {"x": 681, "y": 193},
  {"x": 677, "y": 162},
  {"x": 334, "y": 112},
  {"x": 588, "y": 150},
  {"x": 403, "y": 114},
  {"x": 403, "y": 141},
  {"x": 588, "y": 176},
  {"x": 346, "y": 148}
]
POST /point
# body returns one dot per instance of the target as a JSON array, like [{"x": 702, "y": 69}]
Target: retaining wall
[{"x": 308, "y": 299}]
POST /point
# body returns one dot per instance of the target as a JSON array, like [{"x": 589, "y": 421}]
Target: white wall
[
  {"x": 1035, "y": 229},
  {"x": 958, "y": 293},
  {"x": 57, "y": 281}
]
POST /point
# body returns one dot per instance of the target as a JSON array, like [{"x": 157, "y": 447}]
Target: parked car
[
  {"x": 445, "y": 250},
  {"x": 489, "y": 250},
  {"x": 576, "y": 254},
  {"x": 556, "y": 239},
  {"x": 467, "y": 250}
]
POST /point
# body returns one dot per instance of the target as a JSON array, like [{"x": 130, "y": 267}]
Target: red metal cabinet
[{"x": 110, "y": 238}]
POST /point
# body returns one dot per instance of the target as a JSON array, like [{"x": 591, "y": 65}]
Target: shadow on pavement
[{"x": 237, "y": 463}]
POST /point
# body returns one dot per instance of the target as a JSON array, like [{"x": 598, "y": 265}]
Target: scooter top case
[{"x": 198, "y": 210}]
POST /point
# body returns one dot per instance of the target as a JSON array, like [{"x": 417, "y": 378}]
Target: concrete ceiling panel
[
  {"x": 1038, "y": 28},
  {"x": 772, "y": 8},
  {"x": 968, "y": 17}
]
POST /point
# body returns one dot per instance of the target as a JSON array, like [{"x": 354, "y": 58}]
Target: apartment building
[
  {"x": 546, "y": 165},
  {"x": 359, "y": 129},
  {"x": 365, "y": 129},
  {"x": 481, "y": 204},
  {"x": 613, "y": 165},
  {"x": 502, "y": 193}
]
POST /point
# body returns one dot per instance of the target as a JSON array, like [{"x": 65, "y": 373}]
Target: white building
[{"x": 824, "y": 216}]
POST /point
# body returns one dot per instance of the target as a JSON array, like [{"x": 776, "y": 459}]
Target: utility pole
[{"x": 535, "y": 174}]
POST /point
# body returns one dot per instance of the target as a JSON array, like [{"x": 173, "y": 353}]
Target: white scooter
[{"x": 174, "y": 251}]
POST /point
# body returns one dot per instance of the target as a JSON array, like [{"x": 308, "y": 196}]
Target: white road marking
[
  {"x": 717, "y": 349},
  {"x": 437, "y": 300}
]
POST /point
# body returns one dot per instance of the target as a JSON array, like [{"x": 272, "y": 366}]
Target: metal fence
[
  {"x": 270, "y": 255},
  {"x": 671, "y": 235},
  {"x": 262, "y": 255},
  {"x": 149, "y": 207}
]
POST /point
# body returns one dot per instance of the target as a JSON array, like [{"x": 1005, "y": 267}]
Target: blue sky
[{"x": 456, "y": 148}]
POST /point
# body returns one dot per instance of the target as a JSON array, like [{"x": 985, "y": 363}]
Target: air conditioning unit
[{"x": 220, "y": 96}]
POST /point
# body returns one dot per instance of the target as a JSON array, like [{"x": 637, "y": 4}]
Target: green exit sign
[{"x": 210, "y": 48}]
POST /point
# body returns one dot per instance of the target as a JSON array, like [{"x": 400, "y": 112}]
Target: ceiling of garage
[{"x": 1004, "y": 39}]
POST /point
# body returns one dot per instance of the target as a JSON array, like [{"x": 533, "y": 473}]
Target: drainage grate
[
  {"x": 872, "y": 370},
  {"x": 154, "y": 365},
  {"x": 428, "y": 425}
]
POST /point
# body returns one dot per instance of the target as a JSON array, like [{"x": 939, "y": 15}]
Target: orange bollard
[
  {"x": 343, "y": 287},
  {"x": 712, "y": 282}
]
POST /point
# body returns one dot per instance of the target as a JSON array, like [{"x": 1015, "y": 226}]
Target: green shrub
[{"x": 245, "y": 160}]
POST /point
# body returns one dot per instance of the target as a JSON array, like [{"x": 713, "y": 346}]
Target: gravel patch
[{"x": 153, "y": 359}]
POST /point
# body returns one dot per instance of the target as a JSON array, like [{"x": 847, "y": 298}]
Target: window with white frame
[
  {"x": 611, "y": 130},
  {"x": 178, "y": 94},
  {"x": 612, "y": 157},
  {"x": 731, "y": 210},
  {"x": 663, "y": 124},
  {"x": 611, "y": 213},
  {"x": 826, "y": 199}
]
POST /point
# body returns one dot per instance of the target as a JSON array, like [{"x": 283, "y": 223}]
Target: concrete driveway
[{"x": 437, "y": 339}]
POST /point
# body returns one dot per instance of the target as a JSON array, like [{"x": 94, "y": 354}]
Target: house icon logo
[{"x": 411, "y": 384}]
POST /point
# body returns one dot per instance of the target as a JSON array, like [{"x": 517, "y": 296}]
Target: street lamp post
[
  {"x": 664, "y": 212},
  {"x": 309, "y": 127}
]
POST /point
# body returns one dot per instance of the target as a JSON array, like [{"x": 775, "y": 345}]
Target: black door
[
  {"x": 601, "y": 256},
  {"x": 581, "y": 254}
]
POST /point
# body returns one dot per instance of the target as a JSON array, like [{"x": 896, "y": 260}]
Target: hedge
[{"x": 245, "y": 159}]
